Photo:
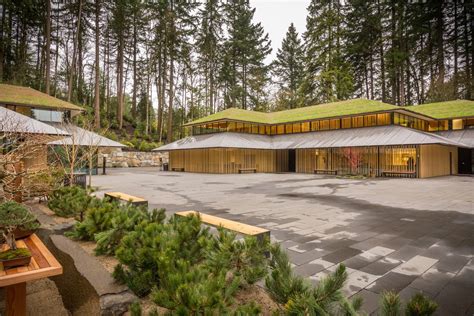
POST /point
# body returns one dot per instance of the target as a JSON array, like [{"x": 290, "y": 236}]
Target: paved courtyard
[{"x": 408, "y": 235}]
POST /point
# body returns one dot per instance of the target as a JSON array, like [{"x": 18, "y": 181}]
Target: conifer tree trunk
[
  {"x": 48, "y": 46},
  {"x": 97, "y": 67},
  {"x": 75, "y": 44}
]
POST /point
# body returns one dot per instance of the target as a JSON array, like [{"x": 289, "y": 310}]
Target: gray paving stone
[
  {"x": 405, "y": 253},
  {"x": 370, "y": 301},
  {"x": 381, "y": 266},
  {"x": 452, "y": 263},
  {"x": 392, "y": 281},
  {"x": 432, "y": 281},
  {"x": 301, "y": 258},
  {"x": 341, "y": 255}
]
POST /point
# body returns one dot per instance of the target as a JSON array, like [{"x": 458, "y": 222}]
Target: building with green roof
[{"x": 356, "y": 136}]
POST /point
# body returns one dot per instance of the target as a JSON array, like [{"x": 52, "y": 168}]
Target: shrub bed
[{"x": 184, "y": 268}]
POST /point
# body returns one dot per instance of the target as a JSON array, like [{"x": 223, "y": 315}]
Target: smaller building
[{"x": 349, "y": 137}]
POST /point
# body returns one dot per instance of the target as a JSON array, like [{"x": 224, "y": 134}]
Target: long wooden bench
[
  {"x": 242, "y": 170},
  {"x": 325, "y": 171},
  {"x": 177, "y": 169},
  {"x": 120, "y": 196},
  {"x": 241, "y": 228},
  {"x": 401, "y": 174}
]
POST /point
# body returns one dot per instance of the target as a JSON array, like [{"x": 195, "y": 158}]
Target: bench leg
[{"x": 16, "y": 299}]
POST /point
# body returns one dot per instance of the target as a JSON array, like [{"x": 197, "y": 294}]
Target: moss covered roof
[
  {"x": 447, "y": 109},
  {"x": 18, "y": 95},
  {"x": 327, "y": 110}
]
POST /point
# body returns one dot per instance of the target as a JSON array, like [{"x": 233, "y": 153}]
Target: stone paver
[{"x": 408, "y": 235}]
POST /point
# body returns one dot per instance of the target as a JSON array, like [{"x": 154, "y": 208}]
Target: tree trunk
[
  {"x": 73, "y": 64},
  {"x": 120, "y": 82},
  {"x": 134, "y": 87},
  {"x": 97, "y": 67},
  {"x": 169, "y": 135},
  {"x": 48, "y": 46}
]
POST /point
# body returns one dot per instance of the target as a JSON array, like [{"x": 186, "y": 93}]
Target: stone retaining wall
[{"x": 116, "y": 158}]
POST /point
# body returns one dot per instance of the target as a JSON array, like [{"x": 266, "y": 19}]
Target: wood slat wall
[
  {"x": 434, "y": 160},
  {"x": 223, "y": 160},
  {"x": 371, "y": 161}
]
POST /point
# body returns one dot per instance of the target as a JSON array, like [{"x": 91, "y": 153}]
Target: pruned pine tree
[{"x": 288, "y": 70}]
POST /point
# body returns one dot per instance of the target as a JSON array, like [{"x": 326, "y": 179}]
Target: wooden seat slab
[
  {"x": 254, "y": 170},
  {"x": 177, "y": 169},
  {"x": 325, "y": 171},
  {"x": 228, "y": 224},
  {"x": 126, "y": 197}
]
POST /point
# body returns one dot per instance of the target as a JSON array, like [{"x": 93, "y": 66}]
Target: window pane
[
  {"x": 335, "y": 124},
  {"x": 458, "y": 124},
  {"x": 305, "y": 127},
  {"x": 324, "y": 125},
  {"x": 281, "y": 129},
  {"x": 296, "y": 127},
  {"x": 315, "y": 126},
  {"x": 289, "y": 128},
  {"x": 346, "y": 122},
  {"x": 358, "y": 121}
]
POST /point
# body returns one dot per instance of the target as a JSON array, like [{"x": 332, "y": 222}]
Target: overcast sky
[{"x": 277, "y": 15}]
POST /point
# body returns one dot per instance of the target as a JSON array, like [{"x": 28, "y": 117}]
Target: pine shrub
[
  {"x": 420, "y": 305},
  {"x": 70, "y": 201}
]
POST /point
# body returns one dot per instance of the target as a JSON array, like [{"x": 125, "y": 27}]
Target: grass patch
[{"x": 444, "y": 110}]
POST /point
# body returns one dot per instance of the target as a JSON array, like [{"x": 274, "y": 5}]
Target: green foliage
[
  {"x": 390, "y": 304},
  {"x": 13, "y": 215},
  {"x": 420, "y": 305},
  {"x": 14, "y": 254},
  {"x": 98, "y": 219},
  {"x": 135, "y": 309},
  {"x": 282, "y": 284},
  {"x": 124, "y": 221},
  {"x": 70, "y": 201},
  {"x": 244, "y": 258}
]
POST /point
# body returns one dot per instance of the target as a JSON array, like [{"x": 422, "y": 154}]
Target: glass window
[
  {"x": 280, "y": 129},
  {"x": 370, "y": 120},
  {"x": 324, "y": 125},
  {"x": 335, "y": 124},
  {"x": 443, "y": 125},
  {"x": 469, "y": 123},
  {"x": 240, "y": 127},
  {"x": 432, "y": 126},
  {"x": 383, "y": 119},
  {"x": 254, "y": 129},
  {"x": 458, "y": 124},
  {"x": 346, "y": 122},
  {"x": 358, "y": 121},
  {"x": 231, "y": 127},
  {"x": 296, "y": 127},
  {"x": 289, "y": 128},
  {"x": 305, "y": 127},
  {"x": 261, "y": 129},
  {"x": 315, "y": 126},
  {"x": 273, "y": 130}
]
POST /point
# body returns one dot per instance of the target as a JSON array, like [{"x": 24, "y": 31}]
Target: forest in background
[{"x": 143, "y": 68}]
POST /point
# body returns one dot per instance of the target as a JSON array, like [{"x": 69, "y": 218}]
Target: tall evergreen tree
[
  {"x": 244, "y": 73},
  {"x": 328, "y": 76},
  {"x": 288, "y": 69}
]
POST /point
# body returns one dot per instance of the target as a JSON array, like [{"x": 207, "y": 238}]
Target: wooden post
[
  {"x": 16, "y": 299},
  {"x": 104, "y": 163}
]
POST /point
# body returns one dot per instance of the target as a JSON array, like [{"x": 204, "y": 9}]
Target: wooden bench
[
  {"x": 407, "y": 174},
  {"x": 325, "y": 171},
  {"x": 177, "y": 169},
  {"x": 242, "y": 170},
  {"x": 119, "y": 196},
  {"x": 244, "y": 229},
  {"x": 400, "y": 174}
]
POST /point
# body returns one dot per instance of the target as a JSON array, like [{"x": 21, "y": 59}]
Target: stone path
[{"x": 408, "y": 235}]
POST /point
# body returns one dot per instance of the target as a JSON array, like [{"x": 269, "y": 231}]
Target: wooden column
[{"x": 16, "y": 299}]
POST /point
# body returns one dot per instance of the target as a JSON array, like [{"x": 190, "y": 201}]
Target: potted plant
[{"x": 14, "y": 216}]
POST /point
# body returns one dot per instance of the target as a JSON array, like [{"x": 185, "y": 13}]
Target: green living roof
[
  {"x": 444, "y": 110},
  {"x": 18, "y": 95},
  {"x": 327, "y": 110}
]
